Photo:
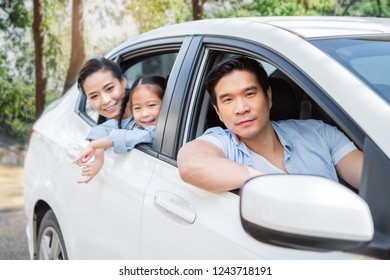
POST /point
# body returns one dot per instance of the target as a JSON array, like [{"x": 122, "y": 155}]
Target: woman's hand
[
  {"x": 86, "y": 155},
  {"x": 90, "y": 169}
]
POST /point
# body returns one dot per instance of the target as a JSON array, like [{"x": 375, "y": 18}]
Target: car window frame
[
  {"x": 201, "y": 61},
  {"x": 138, "y": 52},
  {"x": 194, "y": 90}
]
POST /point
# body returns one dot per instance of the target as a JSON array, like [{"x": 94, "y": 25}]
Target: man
[{"x": 222, "y": 160}]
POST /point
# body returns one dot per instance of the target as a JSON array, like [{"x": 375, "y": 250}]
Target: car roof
[
  {"x": 304, "y": 26},
  {"x": 307, "y": 27}
]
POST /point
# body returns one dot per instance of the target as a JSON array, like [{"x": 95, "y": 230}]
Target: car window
[
  {"x": 285, "y": 98},
  {"x": 289, "y": 100},
  {"x": 368, "y": 58},
  {"x": 160, "y": 64},
  {"x": 134, "y": 67}
]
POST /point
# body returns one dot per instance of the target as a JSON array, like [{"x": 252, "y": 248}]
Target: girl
[{"x": 145, "y": 97}]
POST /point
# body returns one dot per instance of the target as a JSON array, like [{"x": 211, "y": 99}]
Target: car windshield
[{"x": 366, "y": 57}]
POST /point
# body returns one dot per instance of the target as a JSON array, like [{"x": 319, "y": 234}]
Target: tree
[
  {"x": 40, "y": 65},
  {"x": 151, "y": 14},
  {"x": 197, "y": 9},
  {"x": 77, "y": 55}
]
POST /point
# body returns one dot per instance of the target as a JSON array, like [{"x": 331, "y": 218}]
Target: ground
[{"x": 13, "y": 241}]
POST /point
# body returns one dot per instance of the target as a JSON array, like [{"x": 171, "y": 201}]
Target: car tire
[{"x": 51, "y": 245}]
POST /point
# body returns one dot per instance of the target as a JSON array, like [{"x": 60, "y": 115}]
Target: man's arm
[
  {"x": 204, "y": 165},
  {"x": 350, "y": 168}
]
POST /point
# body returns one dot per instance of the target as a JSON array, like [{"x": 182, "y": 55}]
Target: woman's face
[
  {"x": 105, "y": 93},
  {"x": 146, "y": 105}
]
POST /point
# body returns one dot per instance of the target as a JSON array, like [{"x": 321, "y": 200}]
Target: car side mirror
[{"x": 305, "y": 212}]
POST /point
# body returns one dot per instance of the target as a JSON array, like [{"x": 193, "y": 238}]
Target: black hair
[
  {"x": 97, "y": 64},
  {"x": 228, "y": 66},
  {"x": 158, "y": 82}
]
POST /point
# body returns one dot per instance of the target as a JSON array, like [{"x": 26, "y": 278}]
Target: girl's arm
[{"x": 124, "y": 140}]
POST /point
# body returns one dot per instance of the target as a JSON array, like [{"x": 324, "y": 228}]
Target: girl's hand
[
  {"x": 86, "y": 155},
  {"x": 90, "y": 169}
]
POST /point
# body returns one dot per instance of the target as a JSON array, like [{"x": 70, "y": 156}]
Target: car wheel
[{"x": 51, "y": 245}]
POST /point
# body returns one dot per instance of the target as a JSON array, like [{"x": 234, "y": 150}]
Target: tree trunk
[
  {"x": 306, "y": 4},
  {"x": 77, "y": 54},
  {"x": 40, "y": 64},
  {"x": 378, "y": 2},
  {"x": 197, "y": 9},
  {"x": 349, "y": 5}
]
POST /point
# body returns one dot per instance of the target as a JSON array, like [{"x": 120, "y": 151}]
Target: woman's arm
[
  {"x": 90, "y": 150},
  {"x": 90, "y": 169}
]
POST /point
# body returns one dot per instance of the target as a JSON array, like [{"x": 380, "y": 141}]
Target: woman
[{"x": 102, "y": 82}]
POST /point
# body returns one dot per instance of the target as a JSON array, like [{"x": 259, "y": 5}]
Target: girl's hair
[
  {"x": 97, "y": 64},
  {"x": 157, "y": 82}
]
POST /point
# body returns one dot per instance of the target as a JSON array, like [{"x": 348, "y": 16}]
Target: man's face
[{"x": 242, "y": 105}]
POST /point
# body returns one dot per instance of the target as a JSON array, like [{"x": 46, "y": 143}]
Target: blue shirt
[
  {"x": 124, "y": 139},
  {"x": 311, "y": 147},
  {"x": 105, "y": 128}
]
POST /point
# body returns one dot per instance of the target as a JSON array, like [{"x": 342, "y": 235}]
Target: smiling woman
[
  {"x": 103, "y": 84},
  {"x": 105, "y": 93}
]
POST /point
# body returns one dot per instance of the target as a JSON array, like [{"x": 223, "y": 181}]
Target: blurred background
[{"x": 43, "y": 43}]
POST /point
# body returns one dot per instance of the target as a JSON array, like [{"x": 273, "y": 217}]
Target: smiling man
[{"x": 252, "y": 144}]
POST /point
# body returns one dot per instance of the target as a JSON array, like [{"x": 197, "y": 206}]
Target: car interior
[{"x": 289, "y": 101}]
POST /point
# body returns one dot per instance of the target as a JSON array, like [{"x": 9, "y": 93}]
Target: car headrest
[{"x": 285, "y": 104}]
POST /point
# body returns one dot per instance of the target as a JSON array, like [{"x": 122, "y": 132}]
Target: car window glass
[
  {"x": 368, "y": 58},
  {"x": 158, "y": 64},
  {"x": 155, "y": 65},
  {"x": 90, "y": 111},
  {"x": 211, "y": 116},
  {"x": 289, "y": 101},
  {"x": 269, "y": 68}
]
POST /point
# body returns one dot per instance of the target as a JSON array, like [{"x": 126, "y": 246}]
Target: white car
[{"x": 333, "y": 69}]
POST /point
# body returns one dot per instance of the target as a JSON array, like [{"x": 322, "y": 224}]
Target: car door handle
[
  {"x": 175, "y": 206},
  {"x": 73, "y": 150}
]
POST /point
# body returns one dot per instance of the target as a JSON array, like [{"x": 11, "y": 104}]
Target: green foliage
[
  {"x": 17, "y": 109},
  {"x": 15, "y": 15},
  {"x": 367, "y": 8},
  {"x": 16, "y": 70},
  {"x": 151, "y": 14},
  {"x": 239, "y": 8},
  {"x": 57, "y": 26}
]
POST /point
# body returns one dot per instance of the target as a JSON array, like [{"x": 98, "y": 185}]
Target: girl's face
[
  {"x": 146, "y": 105},
  {"x": 105, "y": 93}
]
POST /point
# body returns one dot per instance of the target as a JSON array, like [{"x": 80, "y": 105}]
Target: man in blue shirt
[{"x": 252, "y": 144}]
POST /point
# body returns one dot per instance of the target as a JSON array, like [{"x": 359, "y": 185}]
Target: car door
[
  {"x": 109, "y": 216},
  {"x": 182, "y": 221}
]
